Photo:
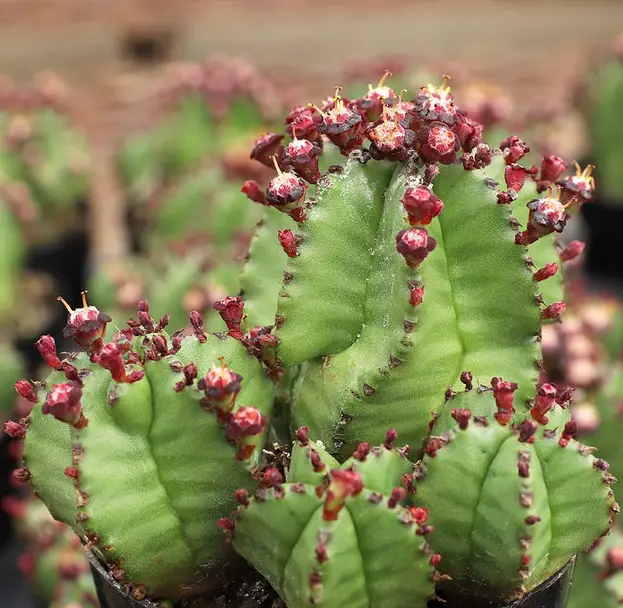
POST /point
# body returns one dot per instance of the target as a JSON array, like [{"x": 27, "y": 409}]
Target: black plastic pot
[
  {"x": 553, "y": 593},
  {"x": 604, "y": 221},
  {"x": 250, "y": 590},
  {"x": 256, "y": 593},
  {"x": 7, "y": 464}
]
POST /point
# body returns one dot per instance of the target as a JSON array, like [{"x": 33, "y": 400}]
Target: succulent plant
[
  {"x": 122, "y": 431},
  {"x": 325, "y": 534},
  {"x": 413, "y": 259},
  {"x": 54, "y": 559},
  {"x": 210, "y": 110},
  {"x": 44, "y": 160}
]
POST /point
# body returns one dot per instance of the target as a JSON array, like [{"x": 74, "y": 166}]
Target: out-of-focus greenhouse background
[{"x": 125, "y": 131}]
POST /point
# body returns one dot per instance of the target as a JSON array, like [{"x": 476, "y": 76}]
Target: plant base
[
  {"x": 553, "y": 593},
  {"x": 249, "y": 590}
]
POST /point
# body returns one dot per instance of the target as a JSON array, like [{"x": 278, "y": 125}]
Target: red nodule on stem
[
  {"x": 343, "y": 484},
  {"x": 504, "y": 394},
  {"x": 15, "y": 429},
  {"x": 462, "y": 416},
  {"x": 302, "y": 435},
  {"x": 288, "y": 242},
  {"x": 362, "y": 451},
  {"x": 419, "y": 515},
  {"x": 63, "y": 402},
  {"x": 417, "y": 295},
  {"x": 421, "y": 205},
  {"x": 414, "y": 244},
  {"x": 527, "y": 430},
  {"x": 110, "y": 357},
  {"x": 231, "y": 310},
  {"x": 545, "y": 401},
  {"x": 569, "y": 431},
  {"x": 467, "y": 379},
  {"x": 220, "y": 387}
]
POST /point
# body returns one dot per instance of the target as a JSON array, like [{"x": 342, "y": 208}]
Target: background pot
[
  {"x": 553, "y": 593},
  {"x": 604, "y": 220}
]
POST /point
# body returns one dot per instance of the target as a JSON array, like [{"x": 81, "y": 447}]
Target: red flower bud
[
  {"x": 26, "y": 390},
  {"x": 245, "y": 427},
  {"x": 549, "y": 270},
  {"x": 231, "y": 310},
  {"x": 266, "y": 147},
  {"x": 253, "y": 191},
  {"x": 437, "y": 143},
  {"x": 504, "y": 394},
  {"x": 343, "y": 484},
  {"x": 288, "y": 242},
  {"x": 303, "y": 121},
  {"x": 286, "y": 192},
  {"x": 261, "y": 343},
  {"x": 47, "y": 349},
  {"x": 421, "y": 205},
  {"x": 419, "y": 515},
  {"x": 371, "y": 104},
  {"x": 221, "y": 387},
  {"x": 547, "y": 215},
  {"x": 414, "y": 244},
  {"x": 552, "y": 167},
  {"x": 110, "y": 357},
  {"x": 390, "y": 139},
  {"x": 468, "y": 132},
  {"x": 572, "y": 251},
  {"x": 63, "y": 402},
  {"x": 462, "y": 416}
]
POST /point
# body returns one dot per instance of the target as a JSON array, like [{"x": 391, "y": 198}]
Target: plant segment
[
  {"x": 414, "y": 251},
  {"x": 511, "y": 498},
  {"x": 333, "y": 535},
  {"x": 138, "y": 443}
]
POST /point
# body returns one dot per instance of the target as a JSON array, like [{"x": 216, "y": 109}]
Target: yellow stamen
[
  {"x": 337, "y": 99},
  {"x": 385, "y": 76},
  {"x": 64, "y": 303},
  {"x": 311, "y": 105},
  {"x": 84, "y": 298},
  {"x": 400, "y": 96},
  {"x": 274, "y": 157},
  {"x": 445, "y": 86}
]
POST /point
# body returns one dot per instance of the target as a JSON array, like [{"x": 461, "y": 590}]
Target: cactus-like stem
[
  {"x": 510, "y": 503},
  {"x": 323, "y": 536}
]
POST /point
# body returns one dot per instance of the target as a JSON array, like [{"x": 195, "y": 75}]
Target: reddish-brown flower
[
  {"x": 14, "y": 429},
  {"x": 548, "y": 271},
  {"x": 220, "y": 387},
  {"x": 572, "y": 251},
  {"x": 515, "y": 176},
  {"x": 436, "y": 103},
  {"x": 267, "y": 147},
  {"x": 86, "y": 325},
  {"x": 421, "y": 205},
  {"x": 545, "y": 401},
  {"x": 342, "y": 126},
  {"x": 303, "y": 121},
  {"x": 514, "y": 149},
  {"x": 302, "y": 155},
  {"x": 371, "y": 104},
  {"x": 416, "y": 296},
  {"x": 390, "y": 139},
  {"x": 110, "y": 357},
  {"x": 253, "y": 192},
  {"x": 245, "y": 428},
  {"x": 343, "y": 484},
  {"x": 578, "y": 188},
  {"x": 552, "y": 167},
  {"x": 63, "y": 402},
  {"x": 286, "y": 192},
  {"x": 26, "y": 390},
  {"x": 468, "y": 131},
  {"x": 553, "y": 311},
  {"x": 437, "y": 143},
  {"x": 547, "y": 215},
  {"x": 414, "y": 244}
]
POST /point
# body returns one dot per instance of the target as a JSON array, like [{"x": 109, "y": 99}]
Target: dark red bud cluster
[
  {"x": 514, "y": 149},
  {"x": 86, "y": 326},
  {"x": 245, "y": 428},
  {"x": 547, "y": 215},
  {"x": 342, "y": 485},
  {"x": 301, "y": 155},
  {"x": 220, "y": 387},
  {"x": 552, "y": 167},
  {"x": 545, "y": 401},
  {"x": 437, "y": 143},
  {"x": 289, "y": 242},
  {"x": 64, "y": 403}
]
